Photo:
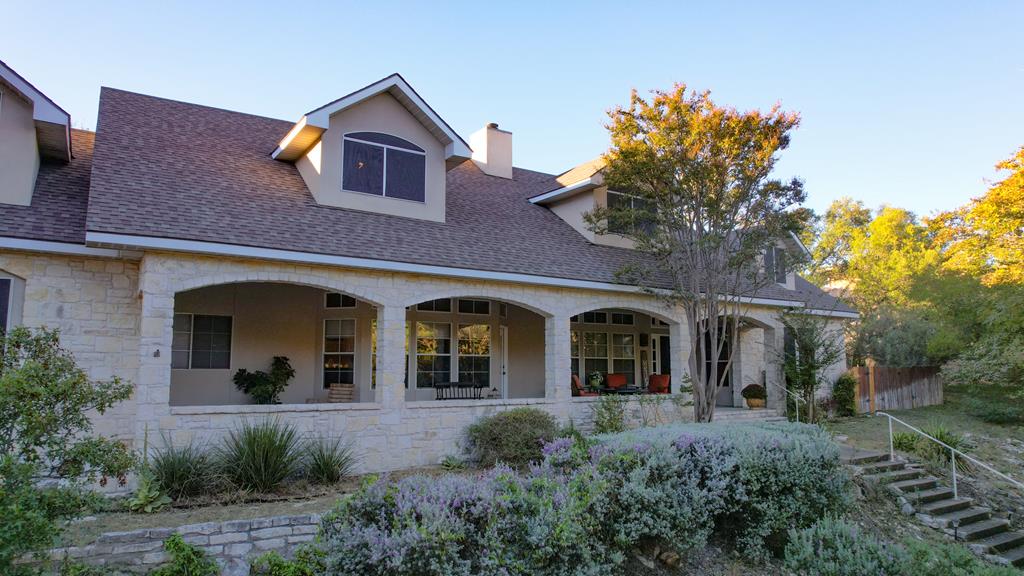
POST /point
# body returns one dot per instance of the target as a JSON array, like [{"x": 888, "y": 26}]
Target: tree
[
  {"x": 705, "y": 211},
  {"x": 46, "y": 432},
  {"x": 813, "y": 344},
  {"x": 985, "y": 238},
  {"x": 831, "y": 240}
]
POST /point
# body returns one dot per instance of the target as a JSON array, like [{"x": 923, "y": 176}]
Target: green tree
[
  {"x": 831, "y": 240},
  {"x": 816, "y": 344},
  {"x": 705, "y": 210},
  {"x": 46, "y": 432}
]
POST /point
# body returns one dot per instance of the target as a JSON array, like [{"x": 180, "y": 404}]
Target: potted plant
[
  {"x": 263, "y": 387},
  {"x": 595, "y": 380},
  {"x": 755, "y": 395}
]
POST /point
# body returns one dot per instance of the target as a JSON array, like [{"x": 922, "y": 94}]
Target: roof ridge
[{"x": 206, "y": 106}]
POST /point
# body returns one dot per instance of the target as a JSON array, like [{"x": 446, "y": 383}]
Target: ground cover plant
[{"x": 590, "y": 504}]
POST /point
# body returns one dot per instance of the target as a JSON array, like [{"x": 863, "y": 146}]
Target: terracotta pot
[{"x": 755, "y": 403}]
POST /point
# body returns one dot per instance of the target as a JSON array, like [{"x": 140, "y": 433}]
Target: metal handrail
[
  {"x": 796, "y": 397},
  {"x": 952, "y": 454}
]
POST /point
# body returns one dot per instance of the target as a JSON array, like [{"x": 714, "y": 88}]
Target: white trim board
[
  {"x": 58, "y": 247},
  {"x": 134, "y": 242},
  {"x": 559, "y": 193}
]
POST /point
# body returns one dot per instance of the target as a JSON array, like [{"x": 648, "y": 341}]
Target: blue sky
[{"x": 905, "y": 103}]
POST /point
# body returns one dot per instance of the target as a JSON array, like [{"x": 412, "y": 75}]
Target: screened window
[
  {"x": 383, "y": 165},
  {"x": 439, "y": 305},
  {"x": 339, "y": 351},
  {"x": 201, "y": 341},
  {"x": 595, "y": 352},
  {"x": 475, "y": 353},
  {"x": 338, "y": 300},
  {"x": 433, "y": 353},
  {"x": 623, "y": 355},
  {"x": 474, "y": 306}
]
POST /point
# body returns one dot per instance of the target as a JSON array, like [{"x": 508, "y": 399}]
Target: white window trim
[
  {"x": 192, "y": 335},
  {"x": 15, "y": 301},
  {"x": 453, "y": 344},
  {"x": 384, "y": 179},
  {"x": 355, "y": 350},
  {"x": 457, "y": 356}
]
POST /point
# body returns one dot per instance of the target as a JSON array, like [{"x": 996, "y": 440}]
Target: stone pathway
[{"x": 934, "y": 505}]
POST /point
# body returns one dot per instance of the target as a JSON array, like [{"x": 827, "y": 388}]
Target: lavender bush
[{"x": 589, "y": 503}]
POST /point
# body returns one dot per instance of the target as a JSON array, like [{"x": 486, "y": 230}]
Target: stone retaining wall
[{"x": 233, "y": 543}]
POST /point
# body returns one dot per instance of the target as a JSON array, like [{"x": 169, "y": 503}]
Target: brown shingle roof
[
  {"x": 57, "y": 211},
  {"x": 175, "y": 170}
]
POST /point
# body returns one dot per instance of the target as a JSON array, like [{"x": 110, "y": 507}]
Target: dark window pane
[
  {"x": 220, "y": 360},
  {"x": 203, "y": 323},
  {"x": 179, "y": 359},
  {"x": 406, "y": 175},
  {"x": 384, "y": 139},
  {"x": 182, "y": 322},
  {"x": 202, "y": 340},
  {"x": 474, "y": 306},
  {"x": 363, "y": 168},
  {"x": 333, "y": 300},
  {"x": 5, "y": 302},
  {"x": 780, "y": 266}
]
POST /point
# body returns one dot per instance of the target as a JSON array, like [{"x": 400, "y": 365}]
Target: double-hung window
[
  {"x": 339, "y": 351},
  {"x": 633, "y": 217},
  {"x": 201, "y": 341},
  {"x": 574, "y": 343},
  {"x": 623, "y": 355},
  {"x": 383, "y": 165},
  {"x": 595, "y": 352},
  {"x": 475, "y": 353},
  {"x": 433, "y": 353},
  {"x": 775, "y": 264},
  {"x": 6, "y": 293}
]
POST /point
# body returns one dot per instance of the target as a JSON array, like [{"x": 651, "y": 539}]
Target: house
[{"x": 379, "y": 251}]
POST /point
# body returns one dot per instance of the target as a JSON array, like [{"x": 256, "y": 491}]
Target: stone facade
[
  {"x": 233, "y": 544},
  {"x": 116, "y": 316}
]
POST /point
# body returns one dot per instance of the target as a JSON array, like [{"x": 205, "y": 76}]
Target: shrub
[
  {"x": 514, "y": 437},
  {"x": 844, "y": 393},
  {"x": 46, "y": 401},
  {"x": 307, "y": 561},
  {"x": 1008, "y": 411},
  {"x": 265, "y": 388},
  {"x": 949, "y": 560},
  {"x": 836, "y": 548},
  {"x": 186, "y": 560},
  {"x": 261, "y": 456},
  {"x": 938, "y": 453},
  {"x": 905, "y": 441},
  {"x": 452, "y": 464},
  {"x": 609, "y": 414},
  {"x": 328, "y": 461},
  {"x": 183, "y": 472},
  {"x": 754, "y": 392}
]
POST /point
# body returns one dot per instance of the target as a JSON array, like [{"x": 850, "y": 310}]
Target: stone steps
[{"x": 935, "y": 506}]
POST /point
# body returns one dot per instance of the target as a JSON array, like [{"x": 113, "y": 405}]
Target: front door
[{"x": 503, "y": 334}]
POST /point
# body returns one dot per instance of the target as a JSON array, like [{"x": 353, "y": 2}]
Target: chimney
[{"x": 492, "y": 150}]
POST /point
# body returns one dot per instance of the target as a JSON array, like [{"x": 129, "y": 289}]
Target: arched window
[{"x": 383, "y": 165}]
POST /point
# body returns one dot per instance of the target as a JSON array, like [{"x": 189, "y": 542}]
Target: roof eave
[
  {"x": 53, "y": 123},
  {"x": 558, "y": 194}
]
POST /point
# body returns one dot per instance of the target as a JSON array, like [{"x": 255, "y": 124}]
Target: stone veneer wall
[
  {"x": 116, "y": 316},
  {"x": 233, "y": 544}
]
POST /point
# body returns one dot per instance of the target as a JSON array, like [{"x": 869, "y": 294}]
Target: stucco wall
[
  {"x": 19, "y": 155},
  {"x": 526, "y": 352}
]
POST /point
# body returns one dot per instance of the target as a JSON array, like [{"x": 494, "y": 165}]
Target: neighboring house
[{"x": 367, "y": 242}]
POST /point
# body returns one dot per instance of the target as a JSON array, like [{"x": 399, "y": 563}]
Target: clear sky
[{"x": 905, "y": 103}]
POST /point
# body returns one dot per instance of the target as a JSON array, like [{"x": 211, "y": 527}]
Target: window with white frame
[
  {"x": 595, "y": 317},
  {"x": 775, "y": 264},
  {"x": 475, "y": 353},
  {"x": 6, "y": 298},
  {"x": 433, "y": 353},
  {"x": 339, "y": 351},
  {"x": 574, "y": 351},
  {"x": 467, "y": 306},
  {"x": 338, "y": 300},
  {"x": 624, "y": 355},
  {"x": 634, "y": 218},
  {"x": 595, "y": 352},
  {"x": 622, "y": 318},
  {"x": 201, "y": 341},
  {"x": 439, "y": 305},
  {"x": 383, "y": 165}
]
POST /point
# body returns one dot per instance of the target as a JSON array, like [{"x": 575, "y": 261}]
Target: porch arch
[{"x": 326, "y": 282}]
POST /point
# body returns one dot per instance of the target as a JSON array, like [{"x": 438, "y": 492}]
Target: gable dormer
[
  {"x": 32, "y": 129},
  {"x": 380, "y": 149},
  {"x": 581, "y": 190}
]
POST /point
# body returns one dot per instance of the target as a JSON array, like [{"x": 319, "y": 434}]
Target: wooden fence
[{"x": 886, "y": 388}]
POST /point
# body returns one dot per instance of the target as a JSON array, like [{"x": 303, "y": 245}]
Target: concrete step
[
  {"x": 932, "y": 495},
  {"x": 915, "y": 484},
  {"x": 1014, "y": 556},
  {"x": 884, "y": 466},
  {"x": 938, "y": 507},
  {"x": 982, "y": 529},
  {"x": 965, "y": 517},
  {"x": 860, "y": 458},
  {"x": 1001, "y": 542},
  {"x": 894, "y": 476}
]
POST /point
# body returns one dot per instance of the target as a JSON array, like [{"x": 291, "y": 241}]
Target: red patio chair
[
  {"x": 577, "y": 388},
  {"x": 615, "y": 381}
]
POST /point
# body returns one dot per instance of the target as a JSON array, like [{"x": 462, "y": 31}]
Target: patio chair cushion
[
  {"x": 658, "y": 384},
  {"x": 615, "y": 380}
]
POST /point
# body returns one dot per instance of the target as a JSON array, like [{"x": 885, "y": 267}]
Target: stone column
[
  {"x": 774, "y": 382},
  {"x": 557, "y": 360},
  {"x": 156, "y": 329},
  {"x": 390, "y": 393},
  {"x": 679, "y": 351}
]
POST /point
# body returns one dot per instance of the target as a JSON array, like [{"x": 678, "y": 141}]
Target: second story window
[
  {"x": 775, "y": 264},
  {"x": 637, "y": 222},
  {"x": 383, "y": 165}
]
